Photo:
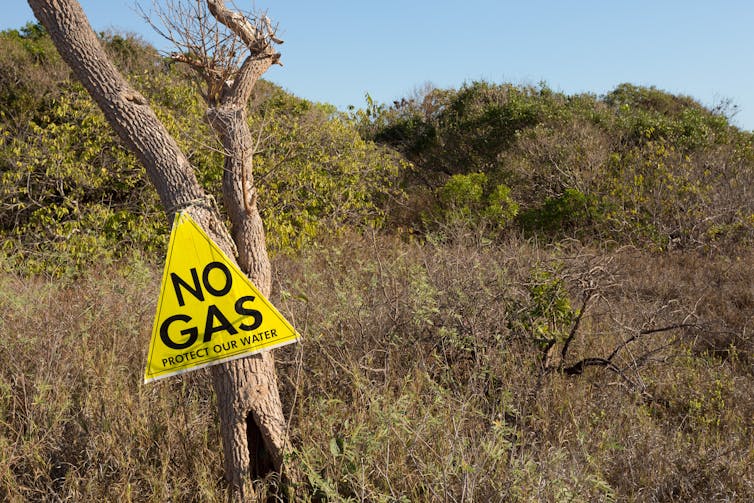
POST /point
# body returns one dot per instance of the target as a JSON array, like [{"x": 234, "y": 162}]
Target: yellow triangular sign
[{"x": 209, "y": 311}]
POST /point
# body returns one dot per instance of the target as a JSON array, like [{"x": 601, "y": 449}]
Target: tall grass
[
  {"x": 76, "y": 424},
  {"x": 424, "y": 376},
  {"x": 431, "y": 371}
]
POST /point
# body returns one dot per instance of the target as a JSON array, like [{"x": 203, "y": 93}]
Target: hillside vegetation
[
  {"x": 71, "y": 194},
  {"x": 636, "y": 166},
  {"x": 505, "y": 293}
]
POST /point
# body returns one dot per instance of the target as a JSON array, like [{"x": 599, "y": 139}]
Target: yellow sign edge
[
  {"x": 295, "y": 336},
  {"x": 157, "y": 377},
  {"x": 163, "y": 282}
]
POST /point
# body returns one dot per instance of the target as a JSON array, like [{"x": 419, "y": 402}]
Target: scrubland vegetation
[{"x": 505, "y": 294}]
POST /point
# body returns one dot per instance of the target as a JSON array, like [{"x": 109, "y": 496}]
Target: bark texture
[
  {"x": 252, "y": 416},
  {"x": 252, "y": 422}
]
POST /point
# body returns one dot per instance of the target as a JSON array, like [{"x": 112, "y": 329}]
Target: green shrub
[
  {"x": 637, "y": 166},
  {"x": 557, "y": 215},
  {"x": 316, "y": 175},
  {"x": 463, "y": 193},
  {"x": 471, "y": 201}
]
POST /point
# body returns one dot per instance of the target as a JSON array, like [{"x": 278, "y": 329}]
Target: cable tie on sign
[{"x": 207, "y": 202}]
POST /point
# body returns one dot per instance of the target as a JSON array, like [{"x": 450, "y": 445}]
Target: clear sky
[{"x": 336, "y": 51}]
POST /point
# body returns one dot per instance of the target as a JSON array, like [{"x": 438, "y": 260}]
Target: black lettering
[
  {"x": 228, "y": 279},
  {"x": 192, "y": 332},
  {"x": 240, "y": 309},
  {"x": 178, "y": 282},
  {"x": 214, "y": 313}
]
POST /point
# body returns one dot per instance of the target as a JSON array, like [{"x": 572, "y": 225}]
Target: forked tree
[{"x": 229, "y": 50}]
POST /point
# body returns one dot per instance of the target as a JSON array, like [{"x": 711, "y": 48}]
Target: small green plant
[{"x": 545, "y": 314}]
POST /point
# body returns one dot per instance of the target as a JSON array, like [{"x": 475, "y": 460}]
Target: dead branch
[
  {"x": 257, "y": 36},
  {"x": 647, "y": 331},
  {"x": 588, "y": 295},
  {"x": 578, "y": 369},
  {"x": 608, "y": 363},
  {"x": 236, "y": 22},
  {"x": 219, "y": 44}
]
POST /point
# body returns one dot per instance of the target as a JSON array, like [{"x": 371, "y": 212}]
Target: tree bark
[
  {"x": 250, "y": 411},
  {"x": 264, "y": 431}
]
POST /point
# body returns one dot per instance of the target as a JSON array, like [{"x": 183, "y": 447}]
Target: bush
[
  {"x": 636, "y": 166},
  {"x": 559, "y": 215},
  {"x": 471, "y": 201},
  {"x": 72, "y": 195},
  {"x": 316, "y": 175}
]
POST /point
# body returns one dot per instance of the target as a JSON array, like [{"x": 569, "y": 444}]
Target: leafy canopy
[{"x": 71, "y": 194}]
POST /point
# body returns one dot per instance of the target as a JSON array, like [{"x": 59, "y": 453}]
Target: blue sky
[{"x": 336, "y": 51}]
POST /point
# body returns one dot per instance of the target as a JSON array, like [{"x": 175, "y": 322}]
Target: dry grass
[
  {"x": 423, "y": 375},
  {"x": 76, "y": 424}
]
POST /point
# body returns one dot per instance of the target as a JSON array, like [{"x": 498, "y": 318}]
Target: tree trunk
[
  {"x": 252, "y": 422},
  {"x": 251, "y": 418}
]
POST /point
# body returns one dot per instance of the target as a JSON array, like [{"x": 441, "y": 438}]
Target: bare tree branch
[
  {"x": 647, "y": 331},
  {"x": 228, "y": 49},
  {"x": 237, "y": 23},
  {"x": 575, "y": 327}
]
